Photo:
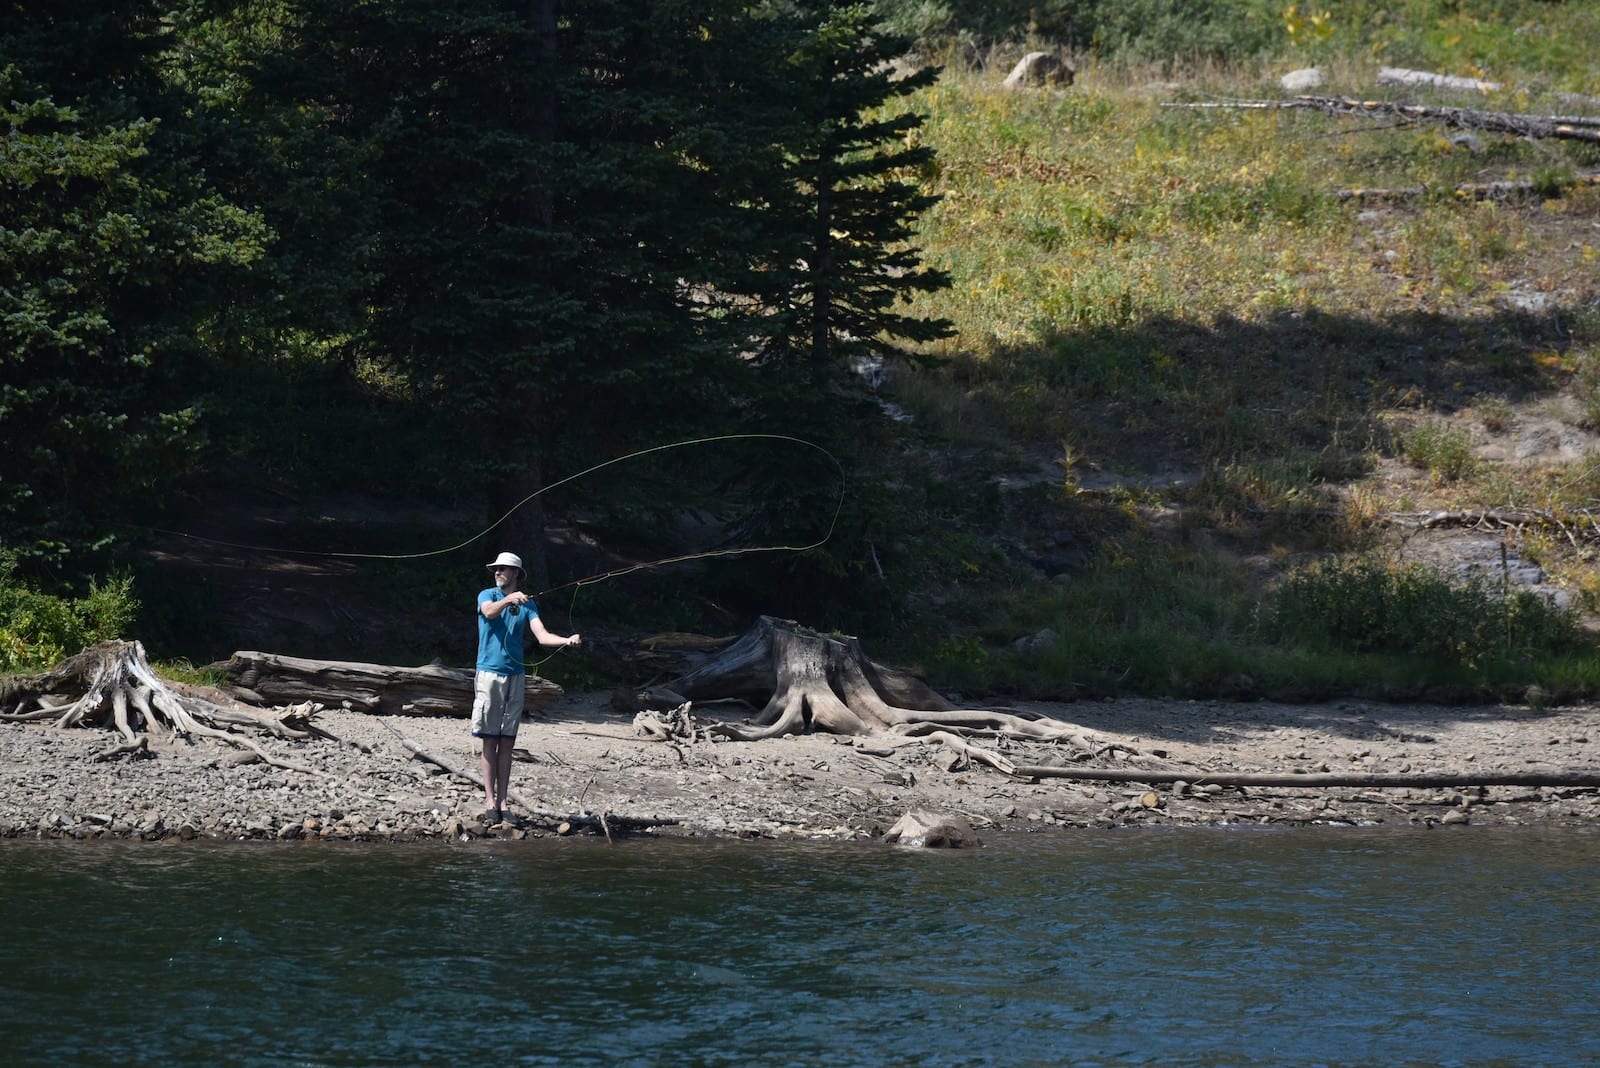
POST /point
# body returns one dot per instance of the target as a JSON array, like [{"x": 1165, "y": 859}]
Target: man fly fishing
[{"x": 505, "y": 615}]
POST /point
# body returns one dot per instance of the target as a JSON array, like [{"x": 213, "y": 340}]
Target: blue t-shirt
[{"x": 500, "y": 639}]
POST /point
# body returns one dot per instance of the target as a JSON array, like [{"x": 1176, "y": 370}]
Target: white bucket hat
[{"x": 507, "y": 560}]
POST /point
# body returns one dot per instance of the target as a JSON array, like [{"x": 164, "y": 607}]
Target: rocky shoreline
[{"x": 582, "y": 769}]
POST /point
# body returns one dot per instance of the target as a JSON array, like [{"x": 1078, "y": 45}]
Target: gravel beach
[{"x": 582, "y": 769}]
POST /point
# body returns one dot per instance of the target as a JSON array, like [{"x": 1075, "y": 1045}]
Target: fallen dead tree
[
  {"x": 1561, "y": 127},
  {"x": 270, "y": 678},
  {"x": 809, "y": 682},
  {"x": 1311, "y": 780},
  {"x": 112, "y": 684},
  {"x": 1577, "y": 525},
  {"x": 1402, "y": 76},
  {"x": 1501, "y": 191}
]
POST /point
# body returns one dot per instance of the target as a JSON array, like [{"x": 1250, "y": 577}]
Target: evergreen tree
[
  {"x": 116, "y": 257},
  {"x": 845, "y": 224},
  {"x": 840, "y": 199},
  {"x": 593, "y": 225}
]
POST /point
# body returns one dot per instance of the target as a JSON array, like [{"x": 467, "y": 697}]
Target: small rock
[
  {"x": 1033, "y": 643},
  {"x": 1455, "y": 816}
]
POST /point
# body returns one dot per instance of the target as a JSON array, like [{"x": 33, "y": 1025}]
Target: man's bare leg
[
  {"x": 489, "y": 765},
  {"x": 503, "y": 778}
]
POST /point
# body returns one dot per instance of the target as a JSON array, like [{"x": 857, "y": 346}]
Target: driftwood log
[
  {"x": 810, "y": 682},
  {"x": 1560, "y": 127},
  {"x": 273, "y": 679},
  {"x": 1503, "y": 190},
  {"x": 1377, "y": 780}
]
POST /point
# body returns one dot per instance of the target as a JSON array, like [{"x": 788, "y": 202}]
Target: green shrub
[
  {"x": 1444, "y": 451},
  {"x": 38, "y": 630},
  {"x": 1366, "y": 605}
]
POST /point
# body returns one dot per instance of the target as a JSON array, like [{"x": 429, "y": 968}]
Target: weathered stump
[
  {"x": 113, "y": 684},
  {"x": 813, "y": 682}
]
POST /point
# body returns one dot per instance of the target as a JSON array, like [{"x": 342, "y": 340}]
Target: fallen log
[
  {"x": 1560, "y": 127},
  {"x": 271, "y": 679},
  {"x": 1402, "y": 76},
  {"x": 1504, "y": 190},
  {"x": 1421, "y": 780},
  {"x": 1569, "y": 523}
]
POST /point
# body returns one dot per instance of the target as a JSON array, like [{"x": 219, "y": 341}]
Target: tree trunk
[{"x": 269, "y": 679}]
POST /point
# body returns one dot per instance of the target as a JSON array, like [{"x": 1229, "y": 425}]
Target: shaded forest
[{"x": 445, "y": 253}]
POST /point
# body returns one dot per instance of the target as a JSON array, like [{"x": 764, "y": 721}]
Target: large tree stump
[
  {"x": 112, "y": 684},
  {"x": 269, "y": 678},
  {"x": 812, "y": 682}
]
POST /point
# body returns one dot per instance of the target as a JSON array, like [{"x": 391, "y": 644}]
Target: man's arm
[
  {"x": 492, "y": 609},
  {"x": 546, "y": 638}
]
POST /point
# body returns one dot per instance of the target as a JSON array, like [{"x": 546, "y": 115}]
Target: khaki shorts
[{"x": 497, "y": 704}]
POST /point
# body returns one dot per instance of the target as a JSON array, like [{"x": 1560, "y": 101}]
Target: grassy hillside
[{"x": 1201, "y": 349}]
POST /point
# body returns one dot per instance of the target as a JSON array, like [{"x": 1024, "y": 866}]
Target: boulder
[
  {"x": 920, "y": 829},
  {"x": 1039, "y": 68},
  {"x": 1299, "y": 81}
]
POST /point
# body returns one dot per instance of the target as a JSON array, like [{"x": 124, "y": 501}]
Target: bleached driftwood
[
  {"x": 1564, "y": 127},
  {"x": 270, "y": 679},
  {"x": 1584, "y": 778},
  {"x": 1402, "y": 76}
]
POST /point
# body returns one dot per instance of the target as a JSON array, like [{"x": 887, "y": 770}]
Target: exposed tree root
[
  {"x": 116, "y": 687},
  {"x": 815, "y": 683}
]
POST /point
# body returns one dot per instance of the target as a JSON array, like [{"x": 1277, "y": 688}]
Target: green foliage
[
  {"x": 1365, "y": 605},
  {"x": 1142, "y": 29},
  {"x": 1442, "y": 449},
  {"x": 38, "y": 630},
  {"x": 1546, "y": 43},
  {"x": 1586, "y": 390},
  {"x": 115, "y": 258}
]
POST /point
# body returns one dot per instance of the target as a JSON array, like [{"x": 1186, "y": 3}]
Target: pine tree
[{"x": 116, "y": 254}]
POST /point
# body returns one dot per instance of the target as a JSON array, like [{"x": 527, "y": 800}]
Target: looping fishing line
[{"x": 578, "y": 584}]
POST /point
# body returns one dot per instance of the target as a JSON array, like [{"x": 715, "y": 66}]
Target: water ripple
[{"x": 1315, "y": 947}]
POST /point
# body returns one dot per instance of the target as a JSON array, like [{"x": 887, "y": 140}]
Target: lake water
[{"x": 1312, "y": 946}]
